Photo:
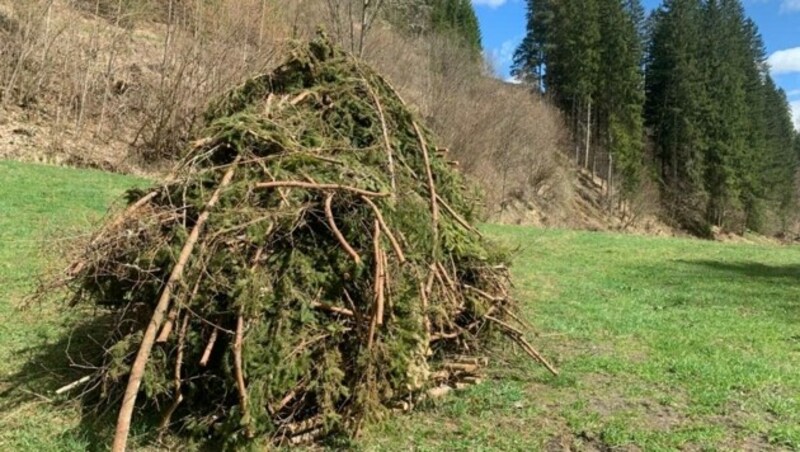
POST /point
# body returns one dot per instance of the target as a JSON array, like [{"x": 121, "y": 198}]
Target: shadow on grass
[
  {"x": 771, "y": 289},
  {"x": 58, "y": 364},
  {"x": 751, "y": 269}
]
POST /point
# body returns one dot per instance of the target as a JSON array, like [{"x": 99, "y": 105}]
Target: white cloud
[
  {"x": 795, "y": 105},
  {"x": 793, "y": 93},
  {"x": 505, "y": 54},
  {"x": 500, "y": 58},
  {"x": 785, "y": 61},
  {"x": 513, "y": 80},
  {"x": 498, "y": 3},
  {"x": 790, "y": 6}
]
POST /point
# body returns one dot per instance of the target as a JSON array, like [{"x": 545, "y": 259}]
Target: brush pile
[{"x": 309, "y": 265}]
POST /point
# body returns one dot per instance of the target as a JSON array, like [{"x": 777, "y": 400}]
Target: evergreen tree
[
  {"x": 781, "y": 156},
  {"x": 529, "y": 57},
  {"x": 720, "y": 125},
  {"x": 587, "y": 56},
  {"x": 725, "y": 56},
  {"x": 675, "y": 103},
  {"x": 620, "y": 87},
  {"x": 721, "y": 129},
  {"x": 456, "y": 17}
]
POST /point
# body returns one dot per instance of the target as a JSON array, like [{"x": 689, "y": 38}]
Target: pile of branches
[{"x": 310, "y": 264}]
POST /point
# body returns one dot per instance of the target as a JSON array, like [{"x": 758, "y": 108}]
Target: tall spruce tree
[
  {"x": 530, "y": 57},
  {"x": 721, "y": 129},
  {"x": 676, "y": 100},
  {"x": 725, "y": 59},
  {"x": 457, "y": 18},
  {"x": 620, "y": 88},
  {"x": 720, "y": 125},
  {"x": 587, "y": 56}
]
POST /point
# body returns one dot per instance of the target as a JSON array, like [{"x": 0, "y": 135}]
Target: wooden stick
[
  {"x": 209, "y": 347},
  {"x": 237, "y": 361},
  {"x": 137, "y": 370},
  {"x": 76, "y": 268},
  {"x": 299, "y": 98},
  {"x": 379, "y": 276},
  {"x": 488, "y": 296},
  {"x": 441, "y": 336},
  {"x": 462, "y": 367},
  {"x": 431, "y": 184},
  {"x": 165, "y": 420},
  {"x": 382, "y": 292},
  {"x": 173, "y": 314},
  {"x": 458, "y": 217},
  {"x": 516, "y": 318},
  {"x": 336, "y": 232},
  {"x": 73, "y": 385},
  {"x": 168, "y": 325},
  {"x": 311, "y": 186},
  {"x": 446, "y": 277},
  {"x": 431, "y": 277},
  {"x": 376, "y": 249},
  {"x": 536, "y": 355},
  {"x": 285, "y": 400},
  {"x": 334, "y": 309},
  {"x": 519, "y": 338},
  {"x": 395, "y": 244},
  {"x": 505, "y": 325},
  {"x": 386, "y": 143}
]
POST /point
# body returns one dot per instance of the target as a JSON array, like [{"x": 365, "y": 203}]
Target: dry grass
[
  {"x": 129, "y": 74},
  {"x": 507, "y": 139},
  {"x": 121, "y": 84}
]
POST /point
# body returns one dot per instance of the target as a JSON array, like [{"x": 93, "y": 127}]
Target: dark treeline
[
  {"x": 691, "y": 83},
  {"x": 455, "y": 19}
]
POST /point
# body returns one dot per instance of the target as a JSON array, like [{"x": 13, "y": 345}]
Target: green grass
[
  {"x": 42, "y": 210},
  {"x": 662, "y": 343}
]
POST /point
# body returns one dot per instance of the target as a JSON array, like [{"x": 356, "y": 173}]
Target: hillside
[
  {"x": 662, "y": 343},
  {"x": 122, "y": 86}
]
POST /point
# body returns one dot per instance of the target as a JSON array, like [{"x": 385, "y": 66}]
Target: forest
[{"x": 665, "y": 100}]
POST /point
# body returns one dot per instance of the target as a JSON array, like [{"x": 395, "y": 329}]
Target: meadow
[{"x": 662, "y": 343}]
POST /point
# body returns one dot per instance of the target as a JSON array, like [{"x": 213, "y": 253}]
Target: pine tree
[
  {"x": 457, "y": 18},
  {"x": 675, "y": 103},
  {"x": 620, "y": 88},
  {"x": 781, "y": 156},
  {"x": 530, "y": 56},
  {"x": 725, "y": 55},
  {"x": 587, "y": 55}
]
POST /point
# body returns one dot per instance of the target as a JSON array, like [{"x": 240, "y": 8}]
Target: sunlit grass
[{"x": 661, "y": 343}]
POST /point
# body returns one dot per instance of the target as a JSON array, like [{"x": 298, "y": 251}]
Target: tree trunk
[{"x": 588, "y": 132}]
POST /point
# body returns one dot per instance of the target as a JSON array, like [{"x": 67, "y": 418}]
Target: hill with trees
[{"x": 721, "y": 143}]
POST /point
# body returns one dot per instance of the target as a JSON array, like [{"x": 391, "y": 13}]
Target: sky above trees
[{"x": 503, "y": 27}]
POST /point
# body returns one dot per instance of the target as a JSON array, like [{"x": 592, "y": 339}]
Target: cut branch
[
  {"x": 458, "y": 217},
  {"x": 240, "y": 385},
  {"x": 387, "y": 144},
  {"x": 209, "y": 347},
  {"x": 137, "y": 370},
  {"x": 165, "y": 420},
  {"x": 334, "y": 309},
  {"x": 431, "y": 183},
  {"x": 395, "y": 244},
  {"x": 312, "y": 186},
  {"x": 337, "y": 233},
  {"x": 73, "y": 385}
]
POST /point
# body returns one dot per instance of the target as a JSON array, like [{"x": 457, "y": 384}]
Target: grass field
[{"x": 662, "y": 343}]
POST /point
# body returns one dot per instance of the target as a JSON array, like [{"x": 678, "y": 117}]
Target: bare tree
[{"x": 354, "y": 17}]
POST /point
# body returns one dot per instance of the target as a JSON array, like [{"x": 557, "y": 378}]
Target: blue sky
[{"x": 503, "y": 26}]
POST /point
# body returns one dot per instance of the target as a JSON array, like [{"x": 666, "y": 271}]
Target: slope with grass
[{"x": 662, "y": 343}]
